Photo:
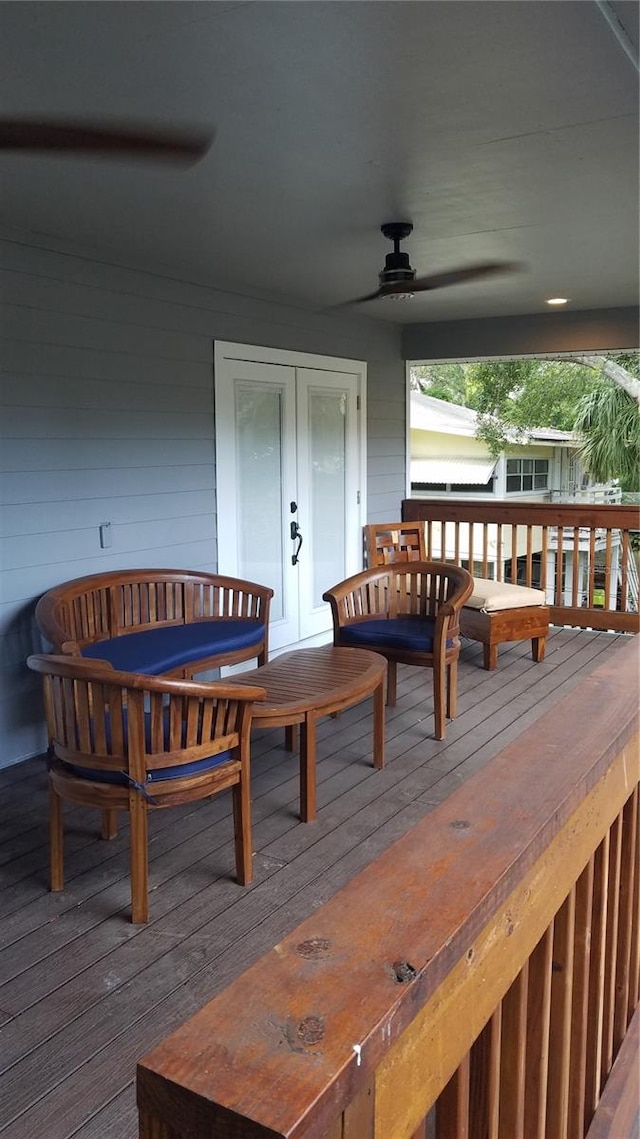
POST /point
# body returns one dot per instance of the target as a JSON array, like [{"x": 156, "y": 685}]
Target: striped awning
[{"x": 470, "y": 471}]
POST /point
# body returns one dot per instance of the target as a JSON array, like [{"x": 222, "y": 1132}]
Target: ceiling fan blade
[
  {"x": 437, "y": 281},
  {"x": 454, "y": 277},
  {"x": 381, "y": 292},
  {"x": 101, "y": 139}
]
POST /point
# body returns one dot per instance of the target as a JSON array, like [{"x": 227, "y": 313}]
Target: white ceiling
[{"x": 503, "y": 129}]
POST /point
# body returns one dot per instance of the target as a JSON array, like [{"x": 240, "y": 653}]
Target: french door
[{"x": 289, "y": 471}]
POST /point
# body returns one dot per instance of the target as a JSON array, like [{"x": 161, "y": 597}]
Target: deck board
[{"x": 83, "y": 993}]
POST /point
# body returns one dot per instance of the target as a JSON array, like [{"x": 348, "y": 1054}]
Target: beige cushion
[{"x": 493, "y": 595}]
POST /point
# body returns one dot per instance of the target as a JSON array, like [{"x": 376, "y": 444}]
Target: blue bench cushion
[
  {"x": 176, "y": 772},
  {"x": 155, "y": 651},
  {"x": 196, "y": 767},
  {"x": 407, "y": 634}
]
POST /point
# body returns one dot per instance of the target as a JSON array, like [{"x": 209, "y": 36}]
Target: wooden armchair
[
  {"x": 495, "y": 612},
  {"x": 122, "y": 741},
  {"x": 408, "y": 612}
]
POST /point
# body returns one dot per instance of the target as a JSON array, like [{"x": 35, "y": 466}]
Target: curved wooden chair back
[
  {"x": 101, "y": 606},
  {"x": 410, "y": 612},
  {"x": 387, "y": 542},
  {"x": 124, "y": 741}
]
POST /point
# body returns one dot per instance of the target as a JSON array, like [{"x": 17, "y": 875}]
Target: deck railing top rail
[
  {"x": 589, "y": 514},
  {"x": 300, "y": 1036}
]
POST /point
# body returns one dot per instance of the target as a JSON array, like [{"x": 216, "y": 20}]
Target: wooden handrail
[
  {"x": 488, "y": 963},
  {"x": 579, "y": 554}
]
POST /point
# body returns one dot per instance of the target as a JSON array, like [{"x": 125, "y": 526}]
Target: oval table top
[{"x": 318, "y": 679}]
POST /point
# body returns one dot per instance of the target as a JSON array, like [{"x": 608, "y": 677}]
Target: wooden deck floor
[{"x": 83, "y": 993}]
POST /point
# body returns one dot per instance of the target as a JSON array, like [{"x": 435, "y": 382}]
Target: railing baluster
[
  {"x": 529, "y": 569},
  {"x": 611, "y": 950},
  {"x": 514, "y": 553},
  {"x": 543, "y": 558},
  {"x": 358, "y": 1118},
  {"x": 538, "y": 1021},
  {"x": 625, "y": 550},
  {"x": 634, "y": 980},
  {"x": 560, "y": 1026},
  {"x": 485, "y": 549},
  {"x": 559, "y": 591},
  {"x": 629, "y": 872},
  {"x": 592, "y": 565},
  {"x": 513, "y": 1060},
  {"x": 452, "y": 1108},
  {"x": 484, "y": 1093},
  {"x": 609, "y": 602},
  {"x": 575, "y": 567},
  {"x": 580, "y": 1004},
  {"x": 597, "y": 970}
]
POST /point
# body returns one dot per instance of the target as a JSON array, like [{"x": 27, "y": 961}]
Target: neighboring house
[{"x": 446, "y": 459}]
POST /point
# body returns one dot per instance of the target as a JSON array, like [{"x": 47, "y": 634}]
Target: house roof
[
  {"x": 503, "y": 131},
  {"x": 431, "y": 414}
]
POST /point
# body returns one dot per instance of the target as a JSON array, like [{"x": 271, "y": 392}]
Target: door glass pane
[
  {"x": 327, "y": 436},
  {"x": 258, "y": 415}
]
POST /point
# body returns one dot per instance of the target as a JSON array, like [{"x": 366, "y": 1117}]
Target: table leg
[
  {"x": 291, "y": 737},
  {"x": 378, "y": 725},
  {"x": 308, "y": 768}
]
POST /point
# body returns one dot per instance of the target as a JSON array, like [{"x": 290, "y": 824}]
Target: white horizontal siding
[
  {"x": 61, "y": 361},
  {"x": 21, "y": 587},
  {"x": 100, "y": 453},
  {"x": 108, "y": 417},
  {"x": 36, "y": 518},
  {"x": 104, "y": 423},
  {"x": 58, "y": 486}
]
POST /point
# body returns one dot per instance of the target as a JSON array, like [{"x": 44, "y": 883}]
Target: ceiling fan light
[
  {"x": 400, "y": 296},
  {"x": 557, "y": 300}
]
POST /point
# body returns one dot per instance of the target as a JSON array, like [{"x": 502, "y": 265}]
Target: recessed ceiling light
[{"x": 557, "y": 300}]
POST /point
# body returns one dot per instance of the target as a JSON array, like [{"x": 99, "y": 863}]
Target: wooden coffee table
[{"x": 308, "y": 683}]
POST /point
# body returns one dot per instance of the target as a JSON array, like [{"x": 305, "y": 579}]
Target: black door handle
[{"x": 296, "y": 534}]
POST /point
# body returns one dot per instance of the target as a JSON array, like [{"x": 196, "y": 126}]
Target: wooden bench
[
  {"x": 158, "y": 621},
  {"x": 495, "y": 613}
]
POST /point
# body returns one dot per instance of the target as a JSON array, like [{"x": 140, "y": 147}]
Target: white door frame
[{"x": 225, "y": 350}]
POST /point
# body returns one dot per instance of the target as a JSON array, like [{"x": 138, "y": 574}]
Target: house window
[{"x": 527, "y": 474}]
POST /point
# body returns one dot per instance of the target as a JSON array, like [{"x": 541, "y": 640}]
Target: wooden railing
[
  {"x": 477, "y": 981},
  {"x": 580, "y": 555}
]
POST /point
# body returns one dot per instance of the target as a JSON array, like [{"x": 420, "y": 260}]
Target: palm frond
[{"x": 608, "y": 424}]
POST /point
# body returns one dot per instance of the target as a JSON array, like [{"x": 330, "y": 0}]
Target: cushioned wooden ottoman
[{"x": 497, "y": 612}]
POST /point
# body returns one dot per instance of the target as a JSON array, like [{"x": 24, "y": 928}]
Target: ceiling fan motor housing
[
  {"x": 396, "y": 268},
  {"x": 396, "y": 265}
]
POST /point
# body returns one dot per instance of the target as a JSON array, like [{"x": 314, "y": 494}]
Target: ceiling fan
[
  {"x": 398, "y": 280},
  {"x": 103, "y": 139}
]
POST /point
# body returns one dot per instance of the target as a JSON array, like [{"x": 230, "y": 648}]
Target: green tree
[
  {"x": 607, "y": 421},
  {"x": 596, "y": 397},
  {"x": 442, "y": 381}
]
